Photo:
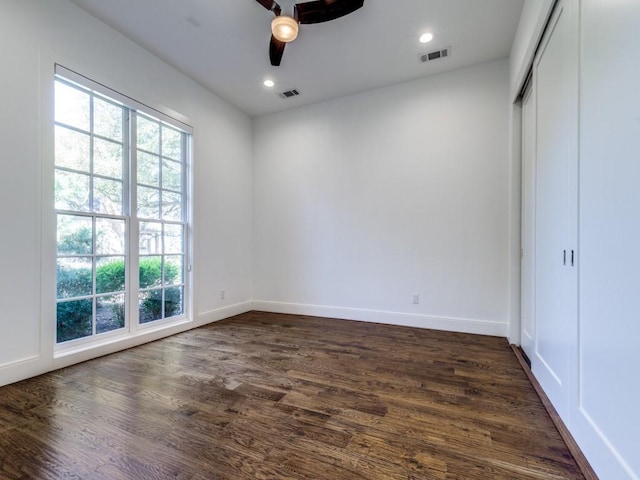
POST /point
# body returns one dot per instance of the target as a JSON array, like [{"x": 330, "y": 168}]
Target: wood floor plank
[{"x": 270, "y": 396}]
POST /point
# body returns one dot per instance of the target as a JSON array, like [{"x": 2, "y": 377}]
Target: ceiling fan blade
[
  {"x": 276, "y": 49},
  {"x": 271, "y": 6},
  {"x": 320, "y": 11}
]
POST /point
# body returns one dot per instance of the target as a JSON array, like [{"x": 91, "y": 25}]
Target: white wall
[
  {"x": 606, "y": 420},
  {"x": 362, "y": 201},
  {"x": 34, "y": 35}
]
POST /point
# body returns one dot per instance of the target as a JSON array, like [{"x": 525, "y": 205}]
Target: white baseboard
[
  {"x": 19, "y": 362},
  {"x": 451, "y": 324},
  {"x": 17, "y": 370},
  {"x": 218, "y": 314}
]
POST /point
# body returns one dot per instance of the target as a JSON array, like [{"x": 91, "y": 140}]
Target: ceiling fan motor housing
[{"x": 284, "y": 29}]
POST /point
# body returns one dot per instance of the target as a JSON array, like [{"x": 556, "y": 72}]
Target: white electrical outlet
[
  {"x": 222, "y": 294},
  {"x": 415, "y": 298}
]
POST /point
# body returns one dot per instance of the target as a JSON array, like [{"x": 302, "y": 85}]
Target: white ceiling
[{"x": 223, "y": 44}]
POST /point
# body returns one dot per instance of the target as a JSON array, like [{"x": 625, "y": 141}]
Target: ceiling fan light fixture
[{"x": 284, "y": 28}]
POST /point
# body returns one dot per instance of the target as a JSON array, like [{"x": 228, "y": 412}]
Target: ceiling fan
[{"x": 284, "y": 29}]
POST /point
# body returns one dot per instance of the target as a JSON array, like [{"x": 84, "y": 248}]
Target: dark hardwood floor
[{"x": 269, "y": 396}]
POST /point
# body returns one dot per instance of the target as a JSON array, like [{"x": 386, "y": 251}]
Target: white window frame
[{"x": 132, "y": 326}]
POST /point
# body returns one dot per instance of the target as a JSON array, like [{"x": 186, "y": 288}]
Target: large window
[{"x": 120, "y": 199}]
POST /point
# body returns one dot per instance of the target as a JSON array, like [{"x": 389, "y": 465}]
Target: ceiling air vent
[
  {"x": 434, "y": 55},
  {"x": 289, "y": 93}
]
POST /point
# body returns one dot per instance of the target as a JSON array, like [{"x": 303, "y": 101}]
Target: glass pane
[
  {"x": 171, "y": 143},
  {"x": 72, "y": 149},
  {"x": 109, "y": 236},
  {"x": 109, "y": 313},
  {"x": 72, "y": 191},
  {"x": 107, "y": 158},
  {"x": 148, "y": 169},
  {"x": 75, "y": 235},
  {"x": 173, "y": 239},
  {"x": 150, "y": 238},
  {"x": 148, "y": 135},
  {"x": 171, "y": 175},
  {"x": 72, "y": 106},
  {"x": 74, "y": 277},
  {"x": 148, "y": 202},
  {"x": 150, "y": 272},
  {"x": 74, "y": 320},
  {"x": 110, "y": 274},
  {"x": 173, "y": 270},
  {"x": 173, "y": 302},
  {"x": 107, "y": 119},
  {"x": 107, "y": 196},
  {"x": 150, "y": 306},
  {"x": 171, "y": 206}
]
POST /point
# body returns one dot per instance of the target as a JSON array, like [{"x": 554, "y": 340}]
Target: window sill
[{"x": 70, "y": 354}]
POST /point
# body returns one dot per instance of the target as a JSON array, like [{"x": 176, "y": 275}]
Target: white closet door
[
  {"x": 527, "y": 325},
  {"x": 556, "y": 88}
]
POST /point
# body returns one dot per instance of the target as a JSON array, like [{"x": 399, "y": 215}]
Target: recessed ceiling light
[
  {"x": 426, "y": 37},
  {"x": 269, "y": 83}
]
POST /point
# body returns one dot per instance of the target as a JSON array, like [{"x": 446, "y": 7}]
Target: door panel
[{"x": 555, "y": 79}]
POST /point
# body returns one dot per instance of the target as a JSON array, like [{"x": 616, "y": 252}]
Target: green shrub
[
  {"x": 150, "y": 272},
  {"x": 74, "y": 317},
  {"x": 172, "y": 301},
  {"x": 110, "y": 277},
  {"x": 73, "y": 282},
  {"x": 151, "y": 305}
]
